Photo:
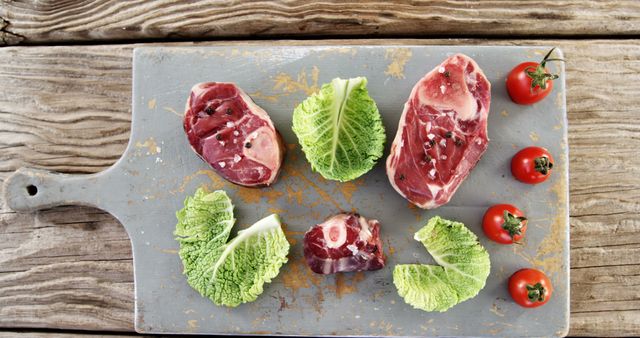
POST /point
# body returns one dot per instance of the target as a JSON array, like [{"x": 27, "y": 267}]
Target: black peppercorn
[{"x": 247, "y": 145}]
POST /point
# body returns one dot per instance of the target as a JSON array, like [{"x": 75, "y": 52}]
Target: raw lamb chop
[
  {"x": 442, "y": 133},
  {"x": 233, "y": 135},
  {"x": 344, "y": 243}
]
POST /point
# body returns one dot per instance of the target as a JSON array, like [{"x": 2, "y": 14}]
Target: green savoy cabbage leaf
[
  {"x": 228, "y": 273},
  {"x": 340, "y": 129},
  {"x": 462, "y": 270}
]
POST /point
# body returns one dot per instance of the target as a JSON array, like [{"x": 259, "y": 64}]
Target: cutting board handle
[{"x": 32, "y": 189}]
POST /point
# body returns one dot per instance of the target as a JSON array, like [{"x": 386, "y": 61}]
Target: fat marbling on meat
[
  {"x": 344, "y": 243},
  {"x": 442, "y": 132},
  {"x": 233, "y": 135}
]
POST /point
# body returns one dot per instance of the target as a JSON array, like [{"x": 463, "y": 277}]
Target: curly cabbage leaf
[
  {"x": 234, "y": 272},
  {"x": 462, "y": 270},
  {"x": 340, "y": 129}
]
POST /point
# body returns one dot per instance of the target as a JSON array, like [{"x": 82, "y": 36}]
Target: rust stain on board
[
  {"x": 346, "y": 283},
  {"x": 390, "y": 248},
  {"x": 271, "y": 98},
  {"x": 248, "y": 195},
  {"x": 271, "y": 195},
  {"x": 291, "y": 153},
  {"x": 172, "y": 111},
  {"x": 290, "y": 234},
  {"x": 496, "y": 310},
  {"x": 347, "y": 189},
  {"x": 399, "y": 57},
  {"x": 339, "y": 50},
  {"x": 151, "y": 146},
  {"x": 307, "y": 84},
  {"x": 291, "y": 171},
  {"x": 549, "y": 252},
  {"x": 415, "y": 210},
  {"x": 534, "y": 136},
  {"x": 298, "y": 276},
  {"x": 169, "y": 251},
  {"x": 192, "y": 325},
  {"x": 548, "y": 257},
  {"x": 294, "y": 195},
  {"x": 215, "y": 181}
]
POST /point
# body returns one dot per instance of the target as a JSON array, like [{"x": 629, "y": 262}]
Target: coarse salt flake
[
  {"x": 222, "y": 164},
  {"x": 443, "y": 143},
  {"x": 431, "y": 136},
  {"x": 236, "y": 158},
  {"x": 441, "y": 70},
  {"x": 236, "y": 133},
  {"x": 230, "y": 124},
  {"x": 353, "y": 249},
  {"x": 432, "y": 172},
  {"x": 443, "y": 89}
]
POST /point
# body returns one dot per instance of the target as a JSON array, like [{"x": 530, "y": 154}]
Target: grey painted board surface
[{"x": 149, "y": 183}]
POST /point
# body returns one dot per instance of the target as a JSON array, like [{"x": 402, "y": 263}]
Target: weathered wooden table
[{"x": 65, "y": 98}]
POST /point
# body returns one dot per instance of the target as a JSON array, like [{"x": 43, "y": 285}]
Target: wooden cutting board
[{"x": 158, "y": 170}]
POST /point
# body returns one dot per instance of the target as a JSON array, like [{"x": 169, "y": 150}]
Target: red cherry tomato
[
  {"x": 532, "y": 165},
  {"x": 530, "y": 288},
  {"x": 504, "y": 223},
  {"x": 530, "y": 82}
]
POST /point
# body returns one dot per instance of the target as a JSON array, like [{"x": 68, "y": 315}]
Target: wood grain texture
[
  {"x": 68, "y": 109},
  {"x": 53, "y": 21},
  {"x": 62, "y": 334}
]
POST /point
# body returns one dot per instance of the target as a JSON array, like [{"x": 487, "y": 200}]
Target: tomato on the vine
[
  {"x": 504, "y": 224},
  {"x": 530, "y": 287},
  {"x": 532, "y": 165},
  {"x": 530, "y": 82}
]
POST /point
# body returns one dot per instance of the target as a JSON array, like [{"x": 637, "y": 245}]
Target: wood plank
[
  {"x": 68, "y": 109},
  {"x": 39, "y": 22},
  {"x": 62, "y": 334}
]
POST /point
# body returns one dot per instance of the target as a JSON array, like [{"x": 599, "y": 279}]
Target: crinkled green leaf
[
  {"x": 251, "y": 259},
  {"x": 227, "y": 273},
  {"x": 340, "y": 129},
  {"x": 425, "y": 287},
  {"x": 463, "y": 267}
]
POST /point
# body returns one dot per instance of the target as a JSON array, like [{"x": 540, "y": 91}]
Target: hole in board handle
[{"x": 32, "y": 190}]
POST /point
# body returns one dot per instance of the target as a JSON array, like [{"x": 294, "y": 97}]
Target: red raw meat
[
  {"x": 344, "y": 243},
  {"x": 442, "y": 132},
  {"x": 233, "y": 135}
]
